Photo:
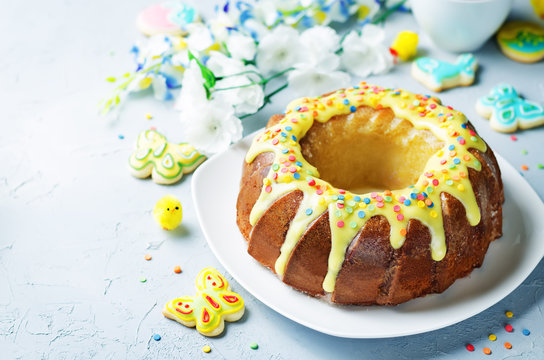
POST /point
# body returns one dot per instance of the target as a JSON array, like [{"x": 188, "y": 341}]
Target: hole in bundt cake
[{"x": 369, "y": 150}]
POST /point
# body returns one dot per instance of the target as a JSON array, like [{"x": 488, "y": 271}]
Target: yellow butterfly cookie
[
  {"x": 210, "y": 307},
  {"x": 165, "y": 162}
]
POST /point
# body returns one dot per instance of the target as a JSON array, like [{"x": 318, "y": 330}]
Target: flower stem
[
  {"x": 241, "y": 73},
  {"x": 262, "y": 82},
  {"x": 388, "y": 11},
  {"x": 266, "y": 100}
]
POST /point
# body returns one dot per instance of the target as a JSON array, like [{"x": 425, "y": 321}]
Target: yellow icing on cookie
[
  {"x": 213, "y": 304},
  {"x": 164, "y": 161},
  {"x": 445, "y": 171}
]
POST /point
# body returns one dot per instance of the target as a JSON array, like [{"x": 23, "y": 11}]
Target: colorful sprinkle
[
  {"x": 492, "y": 337},
  {"x": 177, "y": 269},
  {"x": 156, "y": 337},
  {"x": 147, "y": 257},
  {"x": 540, "y": 166},
  {"x": 507, "y": 345},
  {"x": 524, "y": 152},
  {"x": 509, "y": 328},
  {"x": 487, "y": 351},
  {"x": 142, "y": 279},
  {"x": 524, "y": 167},
  {"x": 309, "y": 212},
  {"x": 513, "y": 138},
  {"x": 148, "y": 116},
  {"x": 340, "y": 224},
  {"x": 206, "y": 349},
  {"x": 121, "y": 136},
  {"x": 361, "y": 214},
  {"x": 509, "y": 314},
  {"x": 254, "y": 346},
  {"x": 470, "y": 347},
  {"x": 526, "y": 332}
]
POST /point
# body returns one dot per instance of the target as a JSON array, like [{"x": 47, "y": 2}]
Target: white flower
[
  {"x": 319, "y": 45},
  {"x": 211, "y": 126},
  {"x": 266, "y": 11},
  {"x": 245, "y": 100},
  {"x": 241, "y": 47},
  {"x": 192, "y": 88},
  {"x": 314, "y": 82},
  {"x": 278, "y": 50},
  {"x": 200, "y": 37},
  {"x": 366, "y": 54}
]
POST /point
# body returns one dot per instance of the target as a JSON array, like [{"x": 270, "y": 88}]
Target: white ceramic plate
[{"x": 508, "y": 262}]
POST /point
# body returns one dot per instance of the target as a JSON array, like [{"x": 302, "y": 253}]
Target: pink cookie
[{"x": 166, "y": 18}]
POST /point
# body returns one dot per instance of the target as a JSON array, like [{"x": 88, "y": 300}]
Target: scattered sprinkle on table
[
  {"x": 121, "y": 136},
  {"x": 524, "y": 152},
  {"x": 540, "y": 166},
  {"x": 508, "y": 328},
  {"x": 152, "y": 128},
  {"x": 206, "y": 349},
  {"x": 156, "y": 337},
  {"x": 513, "y": 138},
  {"x": 147, "y": 257},
  {"x": 492, "y": 337},
  {"x": 487, "y": 351},
  {"x": 507, "y": 345},
  {"x": 470, "y": 347},
  {"x": 148, "y": 116},
  {"x": 524, "y": 167},
  {"x": 143, "y": 279},
  {"x": 509, "y": 314},
  {"x": 526, "y": 332},
  {"x": 254, "y": 346},
  {"x": 177, "y": 269}
]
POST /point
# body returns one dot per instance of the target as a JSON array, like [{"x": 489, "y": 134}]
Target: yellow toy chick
[
  {"x": 405, "y": 45},
  {"x": 167, "y": 212},
  {"x": 538, "y": 6}
]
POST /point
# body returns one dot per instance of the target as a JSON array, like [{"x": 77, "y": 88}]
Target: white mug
[{"x": 460, "y": 25}]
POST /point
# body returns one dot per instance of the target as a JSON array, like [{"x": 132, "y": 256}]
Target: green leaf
[{"x": 208, "y": 76}]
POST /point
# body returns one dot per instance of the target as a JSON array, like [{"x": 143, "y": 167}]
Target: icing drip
[{"x": 445, "y": 171}]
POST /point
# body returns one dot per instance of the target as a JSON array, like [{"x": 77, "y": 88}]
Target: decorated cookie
[
  {"x": 165, "y": 162},
  {"x": 438, "y": 75},
  {"x": 170, "y": 17},
  {"x": 405, "y": 45},
  {"x": 212, "y": 305},
  {"x": 168, "y": 212},
  {"x": 507, "y": 110},
  {"x": 522, "y": 41}
]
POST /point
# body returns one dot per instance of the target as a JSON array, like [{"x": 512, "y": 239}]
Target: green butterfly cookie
[{"x": 165, "y": 162}]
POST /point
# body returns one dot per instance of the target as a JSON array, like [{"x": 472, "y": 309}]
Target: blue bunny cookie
[
  {"x": 438, "y": 75},
  {"x": 507, "y": 111}
]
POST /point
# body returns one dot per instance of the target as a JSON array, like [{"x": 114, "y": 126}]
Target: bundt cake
[{"x": 370, "y": 196}]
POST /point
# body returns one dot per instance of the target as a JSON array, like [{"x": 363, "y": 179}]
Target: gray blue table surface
[{"x": 75, "y": 226}]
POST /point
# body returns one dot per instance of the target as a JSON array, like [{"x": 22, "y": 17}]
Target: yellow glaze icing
[{"x": 445, "y": 171}]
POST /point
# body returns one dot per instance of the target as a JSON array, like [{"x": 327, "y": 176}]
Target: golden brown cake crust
[{"x": 373, "y": 272}]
